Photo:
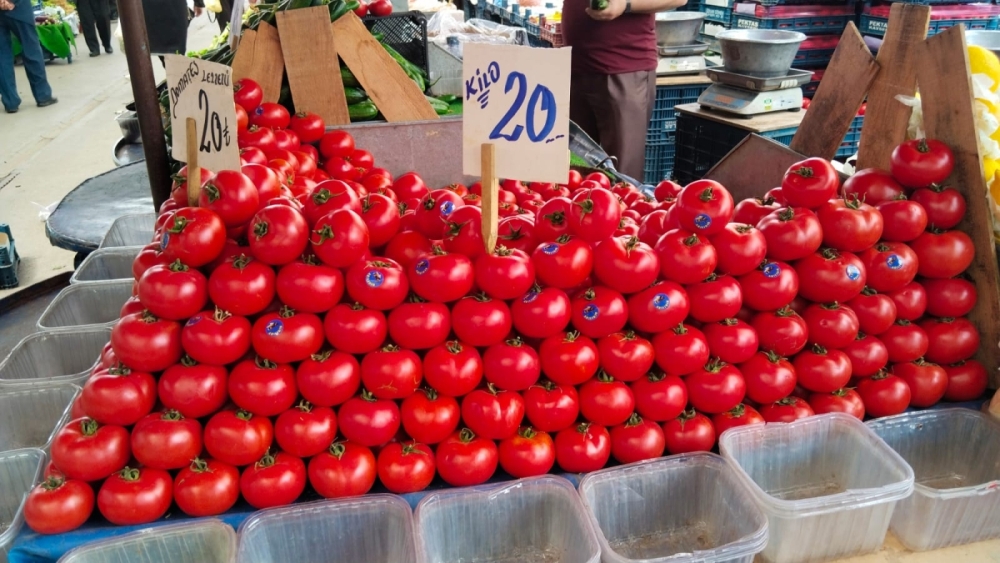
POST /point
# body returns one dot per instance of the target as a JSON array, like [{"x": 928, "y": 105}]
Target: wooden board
[
  {"x": 898, "y": 59},
  {"x": 310, "y": 56},
  {"x": 756, "y": 124},
  {"x": 946, "y": 93},
  {"x": 397, "y": 97},
  {"x": 268, "y": 67},
  {"x": 838, "y": 98},
  {"x": 755, "y": 166},
  {"x": 686, "y": 80},
  {"x": 243, "y": 60}
]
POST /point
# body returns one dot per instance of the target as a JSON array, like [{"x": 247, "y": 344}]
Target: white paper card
[
  {"x": 518, "y": 99},
  {"x": 203, "y": 90}
]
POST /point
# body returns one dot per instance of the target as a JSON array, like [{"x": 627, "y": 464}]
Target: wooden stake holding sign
[
  {"x": 194, "y": 168},
  {"x": 515, "y": 119}
]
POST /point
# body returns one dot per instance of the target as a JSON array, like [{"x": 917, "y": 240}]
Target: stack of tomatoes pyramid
[{"x": 344, "y": 327}]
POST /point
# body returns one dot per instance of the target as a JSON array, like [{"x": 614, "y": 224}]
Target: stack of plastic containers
[
  {"x": 19, "y": 471},
  {"x": 680, "y": 509},
  {"x": 103, "y": 264},
  {"x": 54, "y": 357},
  {"x": 956, "y": 498},
  {"x": 827, "y": 484},
  {"x": 130, "y": 230},
  {"x": 536, "y": 519},
  {"x": 86, "y": 305},
  {"x": 203, "y": 541}
]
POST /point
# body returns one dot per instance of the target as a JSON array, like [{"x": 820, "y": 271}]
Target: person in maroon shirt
[{"x": 613, "y": 86}]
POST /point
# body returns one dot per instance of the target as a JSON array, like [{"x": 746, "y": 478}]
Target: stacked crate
[
  {"x": 944, "y": 14},
  {"x": 660, "y": 137}
]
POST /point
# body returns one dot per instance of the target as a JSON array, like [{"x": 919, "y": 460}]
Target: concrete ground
[{"x": 46, "y": 152}]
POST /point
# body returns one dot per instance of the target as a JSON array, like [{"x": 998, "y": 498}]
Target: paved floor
[{"x": 46, "y": 152}]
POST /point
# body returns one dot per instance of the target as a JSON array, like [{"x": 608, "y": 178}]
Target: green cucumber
[
  {"x": 448, "y": 98},
  {"x": 440, "y": 108},
  {"x": 355, "y": 95},
  {"x": 348, "y": 77},
  {"x": 362, "y": 111}
]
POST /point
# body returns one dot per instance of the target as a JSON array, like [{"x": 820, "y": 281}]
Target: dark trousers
[
  {"x": 225, "y": 15},
  {"x": 34, "y": 64},
  {"x": 95, "y": 14},
  {"x": 615, "y": 110}
]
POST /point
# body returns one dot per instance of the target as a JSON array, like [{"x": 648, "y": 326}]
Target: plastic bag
[
  {"x": 214, "y": 6},
  {"x": 915, "y": 128},
  {"x": 445, "y": 24},
  {"x": 119, "y": 35}
]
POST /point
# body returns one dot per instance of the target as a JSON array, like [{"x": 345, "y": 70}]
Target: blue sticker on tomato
[
  {"x": 529, "y": 297},
  {"x": 702, "y": 221},
  {"x": 894, "y": 262},
  {"x": 591, "y": 312},
  {"x": 274, "y": 328},
  {"x": 446, "y": 208},
  {"x": 193, "y": 320},
  {"x": 164, "y": 241},
  {"x": 771, "y": 270},
  {"x": 374, "y": 278},
  {"x": 853, "y": 272},
  {"x": 422, "y": 266},
  {"x": 550, "y": 248},
  {"x": 661, "y": 301}
]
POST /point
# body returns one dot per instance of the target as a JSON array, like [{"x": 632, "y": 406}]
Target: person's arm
[{"x": 617, "y": 7}]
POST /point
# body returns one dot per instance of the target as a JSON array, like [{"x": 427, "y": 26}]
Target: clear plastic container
[
  {"x": 200, "y": 541},
  {"x": 105, "y": 264},
  {"x": 683, "y": 508},
  {"x": 954, "y": 454},
  {"x": 827, "y": 484},
  {"x": 533, "y": 520},
  {"x": 369, "y": 529},
  {"x": 49, "y": 357},
  {"x": 86, "y": 305},
  {"x": 29, "y": 416},
  {"x": 19, "y": 471},
  {"x": 130, "y": 230}
]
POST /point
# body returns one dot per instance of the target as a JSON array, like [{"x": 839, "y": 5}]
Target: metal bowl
[
  {"x": 759, "y": 52},
  {"x": 985, "y": 39},
  {"x": 678, "y": 28}
]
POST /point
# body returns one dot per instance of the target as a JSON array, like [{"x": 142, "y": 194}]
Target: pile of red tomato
[{"x": 333, "y": 326}]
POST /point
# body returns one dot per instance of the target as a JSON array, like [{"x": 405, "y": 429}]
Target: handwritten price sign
[
  {"x": 517, "y": 98},
  {"x": 203, "y": 91}
]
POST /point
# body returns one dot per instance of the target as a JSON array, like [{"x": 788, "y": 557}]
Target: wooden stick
[
  {"x": 490, "y": 194},
  {"x": 194, "y": 171}
]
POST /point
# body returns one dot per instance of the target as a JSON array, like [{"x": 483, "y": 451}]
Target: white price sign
[
  {"x": 203, "y": 91},
  {"x": 516, "y": 98}
]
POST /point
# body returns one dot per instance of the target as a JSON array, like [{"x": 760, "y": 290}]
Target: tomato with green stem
[
  {"x": 216, "y": 337},
  {"x": 564, "y": 263},
  {"x": 368, "y": 420},
  {"x": 464, "y": 459},
  {"x": 739, "y": 249},
  {"x": 831, "y": 325},
  {"x": 135, "y": 496},
  {"x": 173, "y": 291},
  {"x": 193, "y": 235},
  {"x": 868, "y": 355},
  {"x": 943, "y": 254},
  {"x": 511, "y": 365},
  {"x": 740, "y": 415},
  {"x": 830, "y": 275},
  {"x": 206, "y": 487},
  {"x": 769, "y": 377},
  {"x": 551, "y": 407},
  {"x": 87, "y": 451},
  {"x": 731, "y": 340},
  {"x": 237, "y": 437},
  {"x": 527, "y": 453},
  {"x": 147, "y": 343},
  {"x": 625, "y": 264},
  {"x": 704, "y": 207},
  {"x": 58, "y": 505},
  {"x": 845, "y": 400},
  {"x": 884, "y": 394},
  {"x": 541, "y": 312},
  {"x": 658, "y": 308},
  {"x": 637, "y": 439},
  {"x": 274, "y": 480},
  {"x": 685, "y": 257},
  {"x": 681, "y": 350},
  {"x": 791, "y": 233},
  {"x": 690, "y": 432},
  {"x": 905, "y": 341},
  {"x": 406, "y": 468},
  {"x": 605, "y": 401},
  {"x": 346, "y": 469},
  {"x": 789, "y": 409},
  {"x": 890, "y": 265},
  {"x": 305, "y": 430},
  {"x": 821, "y": 370},
  {"x": 967, "y": 381},
  {"x": 625, "y": 355},
  {"x": 166, "y": 440},
  {"x": 770, "y": 287},
  {"x": 355, "y": 329},
  {"x": 945, "y": 205},
  {"x": 921, "y": 162},
  {"x": 242, "y": 286},
  {"x": 875, "y": 311},
  {"x": 493, "y": 413},
  {"x": 810, "y": 183},
  {"x": 119, "y": 396},
  {"x": 928, "y": 382},
  {"x": 430, "y": 418},
  {"x": 480, "y": 320}
]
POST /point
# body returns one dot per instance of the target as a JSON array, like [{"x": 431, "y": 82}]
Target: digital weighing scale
[
  {"x": 747, "y": 96},
  {"x": 683, "y": 59}
]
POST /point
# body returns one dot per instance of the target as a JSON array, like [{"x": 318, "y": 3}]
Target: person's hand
[
  {"x": 6, "y": 5},
  {"x": 615, "y": 8},
  {"x": 198, "y": 10}
]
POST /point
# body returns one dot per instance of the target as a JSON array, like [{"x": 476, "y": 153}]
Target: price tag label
[
  {"x": 203, "y": 91},
  {"x": 516, "y": 98}
]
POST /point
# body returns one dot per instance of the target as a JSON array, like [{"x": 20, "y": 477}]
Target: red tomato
[
  {"x": 850, "y": 225},
  {"x": 261, "y": 138},
  {"x": 517, "y": 233},
  {"x": 329, "y": 196},
  {"x": 685, "y": 257},
  {"x": 717, "y": 387},
  {"x": 378, "y": 283},
  {"x": 391, "y": 372},
  {"x": 541, "y": 313},
  {"x": 659, "y": 397},
  {"x": 232, "y": 195},
  {"x": 751, "y": 211},
  {"x": 927, "y": 382},
  {"x": 428, "y": 417},
  {"x": 329, "y": 378},
  {"x": 418, "y": 325},
  {"x": 740, "y": 415},
  {"x": 380, "y": 8},
  {"x": 551, "y": 407},
  {"x": 904, "y": 219},
  {"x": 681, "y": 351},
  {"x": 950, "y": 340},
  {"x": 563, "y": 264},
  {"x": 308, "y": 126},
  {"x": 340, "y": 238},
  {"x": 884, "y": 394},
  {"x": 119, "y": 396},
  {"x": 625, "y": 356},
  {"x": 552, "y": 221},
  {"x": 921, "y": 162},
  {"x": 605, "y": 401},
  {"x": 872, "y": 186},
  {"x": 464, "y": 459},
  {"x": 194, "y": 390},
  {"x": 355, "y": 329},
  {"x": 822, "y": 371},
  {"x": 309, "y": 287},
  {"x": 599, "y": 311},
  {"x": 689, "y": 432},
  {"x": 768, "y": 376},
  {"x": 242, "y": 286},
  {"x": 740, "y": 248},
  {"x": 173, "y": 292},
  {"x": 831, "y": 325},
  {"x": 464, "y": 234},
  {"x": 868, "y": 355},
  {"x": 568, "y": 358},
  {"x": 434, "y": 211},
  {"x": 58, "y": 505},
  {"x": 595, "y": 214},
  {"x": 146, "y": 343},
  {"x": 287, "y": 336},
  {"x": 336, "y": 144},
  {"x": 481, "y": 321},
  {"x": 783, "y": 331},
  {"x": 238, "y": 437},
  {"x": 829, "y": 275},
  {"x": 842, "y": 400},
  {"x": 207, "y": 487},
  {"x": 944, "y": 205},
  {"x": 967, "y": 381},
  {"x": 875, "y": 312},
  {"x": 527, "y": 453},
  {"x": 382, "y": 217},
  {"x": 770, "y": 287},
  {"x": 135, "y": 496},
  {"x": 275, "y": 480},
  {"x": 492, "y": 413},
  {"x": 637, "y": 440},
  {"x": 652, "y": 227},
  {"x": 791, "y": 233},
  {"x": 166, "y": 440},
  {"x": 406, "y": 468},
  {"x": 368, "y": 421},
  {"x": 441, "y": 277},
  {"x": 346, "y": 469},
  {"x": 583, "y": 448},
  {"x": 625, "y": 264},
  {"x": 248, "y": 94},
  {"x": 732, "y": 340},
  {"x": 509, "y": 365},
  {"x": 660, "y": 307},
  {"x": 215, "y": 337},
  {"x": 270, "y": 115},
  {"x": 278, "y": 235},
  {"x": 666, "y": 189},
  {"x": 305, "y": 430},
  {"x": 943, "y": 254},
  {"x": 788, "y": 409},
  {"x": 910, "y": 301},
  {"x": 904, "y": 341},
  {"x": 810, "y": 184},
  {"x": 715, "y": 299},
  {"x": 953, "y": 297},
  {"x": 704, "y": 207},
  {"x": 193, "y": 235}
]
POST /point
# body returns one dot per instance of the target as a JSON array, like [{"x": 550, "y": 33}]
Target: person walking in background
[
  {"x": 95, "y": 14},
  {"x": 167, "y": 25},
  {"x": 225, "y": 15},
  {"x": 18, "y": 17}
]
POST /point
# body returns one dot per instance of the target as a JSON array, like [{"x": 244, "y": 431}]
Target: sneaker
[
  {"x": 10, "y": 110},
  {"x": 95, "y": 53},
  {"x": 48, "y": 102},
  {"x": 109, "y": 50}
]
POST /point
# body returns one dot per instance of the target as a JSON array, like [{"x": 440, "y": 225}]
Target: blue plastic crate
[
  {"x": 664, "y": 123},
  {"x": 809, "y": 88},
  {"x": 852, "y": 139},
  {"x": 659, "y": 162},
  {"x": 809, "y": 25},
  {"x": 717, "y": 14},
  {"x": 813, "y": 58},
  {"x": 875, "y": 26}
]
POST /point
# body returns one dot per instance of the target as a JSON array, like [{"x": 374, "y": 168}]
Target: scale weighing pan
[
  {"x": 696, "y": 48},
  {"x": 793, "y": 79}
]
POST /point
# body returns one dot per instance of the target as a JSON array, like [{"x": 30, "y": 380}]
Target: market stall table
[{"x": 55, "y": 38}]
